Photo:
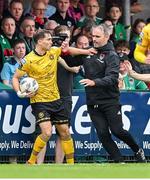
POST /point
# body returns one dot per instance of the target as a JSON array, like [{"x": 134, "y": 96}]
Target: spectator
[
  {"x": 92, "y": 7},
  {"x": 61, "y": 16},
  {"x": 38, "y": 13},
  {"x": 122, "y": 47},
  {"x": 13, "y": 63},
  {"x": 115, "y": 13},
  {"x": 102, "y": 94},
  {"x": 50, "y": 10},
  {"x": 136, "y": 29},
  {"x": 27, "y": 31},
  {"x": 136, "y": 6},
  {"x": 50, "y": 25},
  {"x": 7, "y": 37},
  {"x": 16, "y": 11},
  {"x": 76, "y": 10},
  {"x": 128, "y": 82},
  {"x": 85, "y": 30}
]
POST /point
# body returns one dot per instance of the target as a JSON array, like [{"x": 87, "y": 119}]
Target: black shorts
[
  {"x": 67, "y": 106},
  {"x": 50, "y": 111}
]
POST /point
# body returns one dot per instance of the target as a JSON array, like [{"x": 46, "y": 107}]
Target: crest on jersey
[
  {"x": 41, "y": 115},
  {"x": 51, "y": 57}
]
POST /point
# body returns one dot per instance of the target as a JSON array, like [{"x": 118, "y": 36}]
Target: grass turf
[{"x": 103, "y": 170}]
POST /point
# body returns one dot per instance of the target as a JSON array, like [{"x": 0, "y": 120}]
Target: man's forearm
[{"x": 142, "y": 77}]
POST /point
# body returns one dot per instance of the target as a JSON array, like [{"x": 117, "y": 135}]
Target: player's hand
[
  {"x": 91, "y": 51},
  {"x": 25, "y": 94},
  {"x": 75, "y": 69},
  {"x": 128, "y": 65},
  {"x": 65, "y": 46},
  {"x": 30, "y": 94},
  {"x": 21, "y": 94},
  {"x": 87, "y": 82}
]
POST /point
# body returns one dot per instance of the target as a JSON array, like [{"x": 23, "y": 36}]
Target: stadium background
[{"x": 139, "y": 116}]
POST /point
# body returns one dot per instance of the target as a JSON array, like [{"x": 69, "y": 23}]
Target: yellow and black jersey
[
  {"x": 143, "y": 46},
  {"x": 44, "y": 70}
]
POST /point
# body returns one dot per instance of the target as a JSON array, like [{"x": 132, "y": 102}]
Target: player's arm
[
  {"x": 15, "y": 84},
  {"x": 64, "y": 64},
  {"x": 135, "y": 75},
  {"x": 15, "y": 81},
  {"x": 76, "y": 51},
  {"x": 142, "y": 77}
]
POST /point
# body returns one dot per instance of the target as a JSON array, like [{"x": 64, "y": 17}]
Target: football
[{"x": 28, "y": 85}]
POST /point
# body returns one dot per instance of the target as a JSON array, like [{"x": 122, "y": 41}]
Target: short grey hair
[{"x": 103, "y": 27}]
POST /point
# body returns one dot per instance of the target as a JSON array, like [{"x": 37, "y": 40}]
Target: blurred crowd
[{"x": 21, "y": 19}]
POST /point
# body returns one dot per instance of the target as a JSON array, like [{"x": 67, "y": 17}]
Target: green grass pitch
[{"x": 102, "y": 170}]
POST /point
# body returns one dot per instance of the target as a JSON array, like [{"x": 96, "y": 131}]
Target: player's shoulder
[{"x": 55, "y": 50}]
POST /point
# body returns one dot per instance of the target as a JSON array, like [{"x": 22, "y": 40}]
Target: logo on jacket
[
  {"x": 69, "y": 24},
  {"x": 101, "y": 57}
]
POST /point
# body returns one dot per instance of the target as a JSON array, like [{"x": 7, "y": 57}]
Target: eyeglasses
[
  {"x": 91, "y": 6},
  {"x": 39, "y": 9}
]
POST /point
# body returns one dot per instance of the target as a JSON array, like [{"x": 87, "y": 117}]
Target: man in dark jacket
[{"x": 101, "y": 86}]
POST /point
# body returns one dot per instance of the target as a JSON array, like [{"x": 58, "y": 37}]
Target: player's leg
[
  {"x": 66, "y": 142},
  {"x": 43, "y": 119},
  {"x": 116, "y": 126},
  {"x": 41, "y": 155},
  {"x": 102, "y": 128},
  {"x": 59, "y": 153},
  {"x": 40, "y": 141}
]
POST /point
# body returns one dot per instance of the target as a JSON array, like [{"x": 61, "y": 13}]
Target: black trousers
[{"x": 107, "y": 117}]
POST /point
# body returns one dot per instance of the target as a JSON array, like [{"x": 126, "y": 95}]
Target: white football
[{"x": 28, "y": 85}]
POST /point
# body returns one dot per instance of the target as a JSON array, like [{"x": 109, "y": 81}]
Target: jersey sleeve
[{"x": 23, "y": 67}]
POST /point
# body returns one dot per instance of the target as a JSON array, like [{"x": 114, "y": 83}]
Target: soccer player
[
  {"x": 142, "y": 50},
  {"x": 48, "y": 108}
]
